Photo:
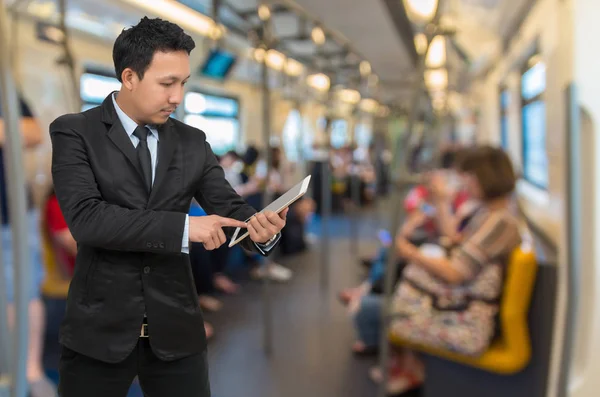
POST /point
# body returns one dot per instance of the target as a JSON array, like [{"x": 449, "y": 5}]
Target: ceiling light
[
  {"x": 264, "y": 12},
  {"x": 369, "y": 105},
  {"x": 436, "y": 79},
  {"x": 318, "y": 36},
  {"x": 365, "y": 68},
  {"x": 349, "y": 96},
  {"x": 259, "y": 55},
  {"x": 420, "y": 43},
  {"x": 436, "y": 55},
  {"x": 293, "y": 67},
  {"x": 275, "y": 60},
  {"x": 421, "y": 11},
  {"x": 318, "y": 81}
]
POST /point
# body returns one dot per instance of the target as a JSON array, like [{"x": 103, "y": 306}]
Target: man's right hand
[{"x": 208, "y": 230}]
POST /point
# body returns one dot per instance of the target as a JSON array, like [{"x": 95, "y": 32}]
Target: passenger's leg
[
  {"x": 84, "y": 376},
  {"x": 219, "y": 258},
  {"x": 368, "y": 324},
  {"x": 186, "y": 377}
]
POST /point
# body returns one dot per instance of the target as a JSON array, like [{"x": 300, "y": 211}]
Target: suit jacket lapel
[
  {"x": 167, "y": 142},
  {"x": 118, "y": 135}
]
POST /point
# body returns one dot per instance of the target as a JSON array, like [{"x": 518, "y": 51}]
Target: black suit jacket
[{"x": 129, "y": 260}]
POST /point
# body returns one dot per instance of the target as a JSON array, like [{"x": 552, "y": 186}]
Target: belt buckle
[{"x": 144, "y": 331}]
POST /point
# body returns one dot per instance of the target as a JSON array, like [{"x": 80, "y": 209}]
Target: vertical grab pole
[
  {"x": 355, "y": 198},
  {"x": 574, "y": 227},
  {"x": 17, "y": 213},
  {"x": 398, "y": 208},
  {"x": 266, "y": 120},
  {"x": 325, "y": 208}
]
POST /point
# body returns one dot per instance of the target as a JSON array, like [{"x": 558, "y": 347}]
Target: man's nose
[{"x": 176, "y": 97}]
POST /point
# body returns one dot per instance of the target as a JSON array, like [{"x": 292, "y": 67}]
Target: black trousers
[{"x": 82, "y": 376}]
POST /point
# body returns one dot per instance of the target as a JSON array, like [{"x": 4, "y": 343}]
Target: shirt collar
[{"x": 128, "y": 124}]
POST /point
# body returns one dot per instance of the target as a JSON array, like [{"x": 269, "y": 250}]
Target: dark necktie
[{"x": 144, "y": 155}]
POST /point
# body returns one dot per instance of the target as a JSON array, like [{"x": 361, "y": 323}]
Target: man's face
[{"x": 161, "y": 90}]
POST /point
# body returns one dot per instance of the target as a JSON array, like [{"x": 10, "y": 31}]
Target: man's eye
[{"x": 166, "y": 84}]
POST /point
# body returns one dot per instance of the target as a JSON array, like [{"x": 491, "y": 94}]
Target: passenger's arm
[
  {"x": 92, "y": 220},
  {"x": 415, "y": 220},
  {"x": 494, "y": 237},
  {"x": 438, "y": 266},
  {"x": 31, "y": 133}
]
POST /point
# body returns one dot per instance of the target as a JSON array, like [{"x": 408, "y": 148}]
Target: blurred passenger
[
  {"x": 449, "y": 298},
  {"x": 60, "y": 250},
  {"x": 40, "y": 386},
  {"x": 255, "y": 181}
]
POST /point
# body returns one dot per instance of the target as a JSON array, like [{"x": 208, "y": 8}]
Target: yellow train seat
[{"x": 511, "y": 351}]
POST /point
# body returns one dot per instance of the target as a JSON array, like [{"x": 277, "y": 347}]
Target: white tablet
[{"x": 276, "y": 206}]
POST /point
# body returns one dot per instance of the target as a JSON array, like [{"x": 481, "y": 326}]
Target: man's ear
[{"x": 129, "y": 78}]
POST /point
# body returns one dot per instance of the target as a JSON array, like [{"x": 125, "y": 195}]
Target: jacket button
[{"x": 147, "y": 269}]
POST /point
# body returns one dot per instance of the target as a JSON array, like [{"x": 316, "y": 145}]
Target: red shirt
[{"x": 56, "y": 224}]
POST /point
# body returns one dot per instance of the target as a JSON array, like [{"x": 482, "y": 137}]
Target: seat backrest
[{"x": 519, "y": 283}]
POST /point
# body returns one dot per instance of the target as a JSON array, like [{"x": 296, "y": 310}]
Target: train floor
[{"x": 311, "y": 331}]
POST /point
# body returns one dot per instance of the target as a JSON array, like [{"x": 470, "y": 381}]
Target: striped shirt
[{"x": 490, "y": 237}]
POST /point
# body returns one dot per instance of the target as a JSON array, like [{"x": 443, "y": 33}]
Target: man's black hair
[{"x": 135, "y": 47}]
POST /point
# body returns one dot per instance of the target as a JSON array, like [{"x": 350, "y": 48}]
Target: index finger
[{"x": 231, "y": 222}]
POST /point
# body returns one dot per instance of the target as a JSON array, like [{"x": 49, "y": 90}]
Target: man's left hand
[{"x": 264, "y": 226}]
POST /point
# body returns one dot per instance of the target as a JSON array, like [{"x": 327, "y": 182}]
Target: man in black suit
[{"x": 125, "y": 174}]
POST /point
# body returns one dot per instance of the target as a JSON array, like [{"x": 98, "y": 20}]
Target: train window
[
  {"x": 217, "y": 116},
  {"x": 339, "y": 133},
  {"x": 504, "y": 104},
  {"x": 94, "y": 88},
  {"x": 533, "y": 118},
  {"x": 363, "y": 135},
  {"x": 292, "y": 130}
]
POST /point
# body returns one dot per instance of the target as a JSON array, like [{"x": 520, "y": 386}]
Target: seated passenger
[
  {"x": 450, "y": 298},
  {"x": 422, "y": 223}
]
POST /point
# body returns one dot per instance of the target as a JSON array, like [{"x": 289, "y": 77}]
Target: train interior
[{"x": 367, "y": 97}]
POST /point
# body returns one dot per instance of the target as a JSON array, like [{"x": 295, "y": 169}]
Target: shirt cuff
[
  {"x": 266, "y": 248},
  {"x": 185, "y": 242}
]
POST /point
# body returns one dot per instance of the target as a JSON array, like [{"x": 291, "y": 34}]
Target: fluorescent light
[
  {"x": 318, "y": 36},
  {"x": 318, "y": 81},
  {"x": 421, "y": 11},
  {"x": 293, "y": 67},
  {"x": 179, "y": 14},
  {"x": 259, "y": 55},
  {"x": 369, "y": 105},
  {"x": 436, "y": 79},
  {"x": 421, "y": 43},
  {"x": 349, "y": 96},
  {"x": 365, "y": 68},
  {"x": 436, "y": 55},
  {"x": 264, "y": 13},
  {"x": 275, "y": 60}
]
